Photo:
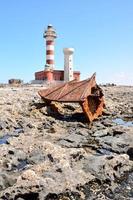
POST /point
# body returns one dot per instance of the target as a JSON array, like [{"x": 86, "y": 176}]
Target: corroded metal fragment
[{"x": 87, "y": 93}]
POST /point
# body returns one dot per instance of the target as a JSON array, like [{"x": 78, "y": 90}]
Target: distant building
[
  {"x": 15, "y": 81},
  {"x": 49, "y": 73}
]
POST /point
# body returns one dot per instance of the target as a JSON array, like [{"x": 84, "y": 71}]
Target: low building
[
  {"x": 15, "y": 81},
  {"x": 57, "y": 75}
]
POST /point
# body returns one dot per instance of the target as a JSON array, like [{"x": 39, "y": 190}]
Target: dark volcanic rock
[{"x": 62, "y": 157}]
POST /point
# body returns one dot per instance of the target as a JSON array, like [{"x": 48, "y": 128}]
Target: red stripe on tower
[
  {"x": 49, "y": 52},
  {"x": 50, "y": 62},
  {"x": 50, "y": 36},
  {"x": 50, "y": 42}
]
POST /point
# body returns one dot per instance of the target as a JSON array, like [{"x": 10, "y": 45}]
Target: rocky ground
[{"x": 48, "y": 157}]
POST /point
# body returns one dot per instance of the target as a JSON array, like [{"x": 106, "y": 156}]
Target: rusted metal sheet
[{"x": 87, "y": 93}]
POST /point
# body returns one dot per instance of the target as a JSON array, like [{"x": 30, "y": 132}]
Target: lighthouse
[
  {"x": 50, "y": 35},
  {"x": 50, "y": 73},
  {"x": 68, "y": 64}
]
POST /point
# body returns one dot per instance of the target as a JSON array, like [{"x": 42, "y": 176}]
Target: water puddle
[
  {"x": 21, "y": 166},
  {"x": 120, "y": 121},
  {"x": 103, "y": 151},
  {"x": 19, "y": 130},
  {"x": 4, "y": 139}
]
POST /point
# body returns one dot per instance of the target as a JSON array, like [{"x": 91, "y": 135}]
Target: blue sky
[{"x": 101, "y": 31}]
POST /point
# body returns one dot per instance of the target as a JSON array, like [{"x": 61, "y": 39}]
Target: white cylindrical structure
[
  {"x": 68, "y": 64},
  {"x": 50, "y": 36}
]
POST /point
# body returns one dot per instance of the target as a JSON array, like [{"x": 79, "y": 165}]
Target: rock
[
  {"x": 107, "y": 123},
  {"x": 73, "y": 140},
  {"x": 3, "y": 125},
  {"x": 104, "y": 168},
  {"x": 28, "y": 175},
  {"x": 36, "y": 157},
  {"x": 107, "y": 112},
  {"x": 101, "y": 133},
  {"x": 118, "y": 143},
  {"x": 6, "y": 181},
  {"x": 64, "y": 157}
]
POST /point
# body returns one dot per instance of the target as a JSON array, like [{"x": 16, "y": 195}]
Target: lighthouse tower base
[{"x": 55, "y": 75}]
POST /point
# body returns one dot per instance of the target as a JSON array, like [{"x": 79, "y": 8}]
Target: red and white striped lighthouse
[{"x": 50, "y": 36}]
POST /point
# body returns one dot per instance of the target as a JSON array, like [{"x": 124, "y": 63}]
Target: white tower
[
  {"x": 68, "y": 64},
  {"x": 50, "y": 36}
]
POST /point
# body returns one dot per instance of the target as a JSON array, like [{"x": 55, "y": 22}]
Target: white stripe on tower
[
  {"x": 49, "y": 47},
  {"x": 50, "y": 52},
  {"x": 50, "y": 35}
]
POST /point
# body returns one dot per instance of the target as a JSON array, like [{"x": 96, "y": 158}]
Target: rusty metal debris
[{"x": 87, "y": 93}]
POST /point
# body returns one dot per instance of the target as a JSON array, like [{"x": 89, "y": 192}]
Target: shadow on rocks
[
  {"x": 39, "y": 105},
  {"x": 76, "y": 117},
  {"x": 27, "y": 196}
]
